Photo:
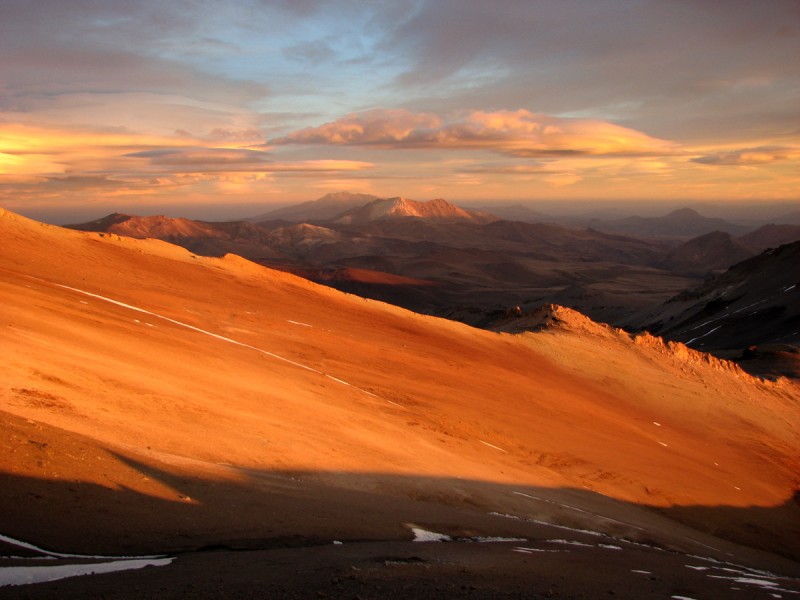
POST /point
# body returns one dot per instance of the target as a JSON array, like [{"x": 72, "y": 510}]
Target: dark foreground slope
[{"x": 240, "y": 421}]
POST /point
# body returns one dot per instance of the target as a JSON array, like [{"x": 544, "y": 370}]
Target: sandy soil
[{"x": 155, "y": 401}]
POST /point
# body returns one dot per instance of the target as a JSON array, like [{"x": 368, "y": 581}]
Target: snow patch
[
  {"x": 749, "y": 581},
  {"x": 569, "y": 543},
  {"x": 337, "y": 380},
  {"x": 526, "y": 550},
  {"x": 28, "y": 546},
  {"x": 704, "y": 335},
  {"x": 575, "y": 508},
  {"x": 26, "y": 575},
  {"x": 422, "y": 535},
  {"x": 507, "y": 516},
  {"x": 298, "y": 323},
  {"x": 492, "y": 446}
]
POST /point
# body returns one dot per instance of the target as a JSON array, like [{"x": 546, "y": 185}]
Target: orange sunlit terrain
[{"x": 123, "y": 359}]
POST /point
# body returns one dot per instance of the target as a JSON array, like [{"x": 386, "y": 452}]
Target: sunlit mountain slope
[{"x": 137, "y": 376}]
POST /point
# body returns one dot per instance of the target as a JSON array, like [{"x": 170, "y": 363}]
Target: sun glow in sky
[{"x": 142, "y": 103}]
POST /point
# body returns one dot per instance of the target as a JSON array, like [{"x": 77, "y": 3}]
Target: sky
[{"x": 110, "y": 104}]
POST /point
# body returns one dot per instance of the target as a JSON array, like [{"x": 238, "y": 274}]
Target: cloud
[
  {"x": 45, "y": 151},
  {"x": 553, "y": 173},
  {"x": 517, "y": 133},
  {"x": 76, "y": 165},
  {"x": 379, "y": 127},
  {"x": 238, "y": 160},
  {"x": 140, "y": 113},
  {"x": 527, "y": 168},
  {"x": 606, "y": 58},
  {"x": 219, "y": 158},
  {"x": 186, "y": 93},
  {"x": 314, "y": 52},
  {"x": 751, "y": 156}
]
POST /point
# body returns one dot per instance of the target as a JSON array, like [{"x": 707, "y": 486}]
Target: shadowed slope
[{"x": 753, "y": 302}]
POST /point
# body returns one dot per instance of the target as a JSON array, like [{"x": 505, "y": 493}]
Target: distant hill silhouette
[
  {"x": 770, "y": 236},
  {"x": 706, "y": 253},
  {"x": 519, "y": 212},
  {"x": 683, "y": 223},
  {"x": 322, "y": 209}
]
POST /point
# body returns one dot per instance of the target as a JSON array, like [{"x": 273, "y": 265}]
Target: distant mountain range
[
  {"x": 431, "y": 257},
  {"x": 679, "y": 224},
  {"x": 347, "y": 208},
  {"x": 674, "y": 228}
]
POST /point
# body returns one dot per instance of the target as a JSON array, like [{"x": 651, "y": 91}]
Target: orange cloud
[
  {"x": 516, "y": 133},
  {"x": 34, "y": 150},
  {"x": 62, "y": 165},
  {"x": 551, "y": 172},
  {"x": 30, "y": 152},
  {"x": 751, "y": 156},
  {"x": 235, "y": 160}
]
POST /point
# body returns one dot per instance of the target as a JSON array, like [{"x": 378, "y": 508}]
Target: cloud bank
[
  {"x": 751, "y": 156},
  {"x": 235, "y": 160},
  {"x": 520, "y": 133},
  {"x": 453, "y": 98}
]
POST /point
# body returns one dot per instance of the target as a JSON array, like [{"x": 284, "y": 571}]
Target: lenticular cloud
[{"x": 516, "y": 133}]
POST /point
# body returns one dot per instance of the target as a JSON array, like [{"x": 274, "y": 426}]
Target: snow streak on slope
[{"x": 217, "y": 336}]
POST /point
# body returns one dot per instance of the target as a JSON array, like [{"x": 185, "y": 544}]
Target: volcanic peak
[{"x": 399, "y": 207}]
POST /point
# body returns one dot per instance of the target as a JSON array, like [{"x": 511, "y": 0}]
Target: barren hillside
[{"x": 188, "y": 401}]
